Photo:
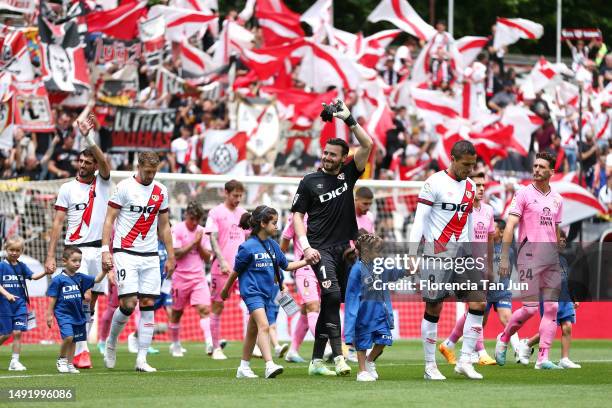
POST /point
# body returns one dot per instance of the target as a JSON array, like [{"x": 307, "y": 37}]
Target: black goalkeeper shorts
[{"x": 332, "y": 271}]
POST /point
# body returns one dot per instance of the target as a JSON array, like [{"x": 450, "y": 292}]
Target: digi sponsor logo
[
  {"x": 142, "y": 209},
  {"x": 454, "y": 207},
  {"x": 334, "y": 193}
]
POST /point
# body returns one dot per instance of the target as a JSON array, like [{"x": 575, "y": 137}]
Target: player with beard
[
  {"x": 536, "y": 209},
  {"x": 444, "y": 219},
  {"x": 327, "y": 197},
  {"x": 83, "y": 202},
  {"x": 140, "y": 207}
]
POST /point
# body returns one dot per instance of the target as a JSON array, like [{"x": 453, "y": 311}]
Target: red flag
[
  {"x": 121, "y": 22},
  {"x": 278, "y": 23}
]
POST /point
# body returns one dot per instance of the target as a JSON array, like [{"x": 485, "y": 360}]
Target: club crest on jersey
[
  {"x": 341, "y": 176},
  {"x": 326, "y": 284},
  {"x": 319, "y": 185},
  {"x": 155, "y": 197},
  {"x": 468, "y": 194}
]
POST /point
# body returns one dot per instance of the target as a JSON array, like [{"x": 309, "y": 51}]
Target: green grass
[{"x": 197, "y": 381}]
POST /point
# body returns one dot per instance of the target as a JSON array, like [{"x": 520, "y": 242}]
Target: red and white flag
[
  {"x": 194, "y": 60},
  {"x": 234, "y": 39},
  {"x": 435, "y": 107},
  {"x": 183, "y": 23},
  {"x": 373, "y": 105},
  {"x": 198, "y": 5},
  {"x": 524, "y": 122},
  {"x": 120, "y": 22},
  {"x": 323, "y": 66},
  {"x": 15, "y": 58},
  {"x": 31, "y": 107},
  {"x": 224, "y": 152},
  {"x": 297, "y": 106},
  {"x": 318, "y": 16},
  {"x": 278, "y": 22},
  {"x": 401, "y": 14},
  {"x": 542, "y": 73},
  {"x": 510, "y": 30},
  {"x": 153, "y": 40},
  {"x": 469, "y": 47}
]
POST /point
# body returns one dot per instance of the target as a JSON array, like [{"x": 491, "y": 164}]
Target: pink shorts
[
  {"x": 189, "y": 292},
  {"x": 538, "y": 277},
  {"x": 308, "y": 285},
  {"x": 217, "y": 283}
]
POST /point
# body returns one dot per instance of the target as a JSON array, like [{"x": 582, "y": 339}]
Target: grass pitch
[{"x": 197, "y": 381}]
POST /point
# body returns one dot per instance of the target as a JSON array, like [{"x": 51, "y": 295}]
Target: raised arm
[
  {"x": 365, "y": 141},
  {"x": 86, "y": 127}
]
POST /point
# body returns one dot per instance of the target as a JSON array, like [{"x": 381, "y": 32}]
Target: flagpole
[
  {"x": 451, "y": 16},
  {"x": 559, "y": 6}
]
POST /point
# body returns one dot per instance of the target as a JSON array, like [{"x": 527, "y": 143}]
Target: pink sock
[
  {"x": 205, "y": 325},
  {"x": 173, "y": 328},
  {"x": 548, "y": 329},
  {"x": 312, "y": 321},
  {"x": 480, "y": 342},
  {"x": 105, "y": 323},
  {"x": 518, "y": 318},
  {"x": 457, "y": 330},
  {"x": 301, "y": 328},
  {"x": 215, "y": 329}
]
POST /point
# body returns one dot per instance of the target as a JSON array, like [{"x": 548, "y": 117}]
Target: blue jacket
[{"x": 367, "y": 307}]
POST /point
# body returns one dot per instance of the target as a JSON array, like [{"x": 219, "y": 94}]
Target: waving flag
[
  {"x": 318, "y": 16},
  {"x": 401, "y": 14},
  {"x": 435, "y": 107},
  {"x": 540, "y": 76},
  {"x": 120, "y": 22},
  {"x": 469, "y": 47},
  {"x": 182, "y": 23},
  {"x": 194, "y": 60},
  {"x": 524, "y": 122},
  {"x": 323, "y": 66},
  {"x": 278, "y": 23},
  {"x": 234, "y": 39},
  {"x": 15, "y": 58},
  {"x": 510, "y": 30},
  {"x": 297, "y": 106}
]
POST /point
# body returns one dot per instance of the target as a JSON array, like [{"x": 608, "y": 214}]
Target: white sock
[
  {"x": 146, "y": 326},
  {"x": 117, "y": 325},
  {"x": 482, "y": 353},
  {"x": 515, "y": 341},
  {"x": 449, "y": 344},
  {"x": 245, "y": 364},
  {"x": 15, "y": 357},
  {"x": 471, "y": 333},
  {"x": 80, "y": 347},
  {"x": 205, "y": 325},
  {"x": 269, "y": 364},
  {"x": 87, "y": 311},
  {"x": 429, "y": 335}
]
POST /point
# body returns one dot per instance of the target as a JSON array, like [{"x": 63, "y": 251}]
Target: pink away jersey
[
  {"x": 482, "y": 223},
  {"x": 190, "y": 266},
  {"x": 539, "y": 215},
  {"x": 366, "y": 221},
  {"x": 289, "y": 234},
  {"x": 225, "y": 223}
]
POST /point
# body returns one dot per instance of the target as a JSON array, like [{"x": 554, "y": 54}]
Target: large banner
[
  {"x": 135, "y": 129},
  {"x": 31, "y": 107},
  {"x": 20, "y": 6},
  {"x": 261, "y": 124},
  {"x": 119, "y": 52}
]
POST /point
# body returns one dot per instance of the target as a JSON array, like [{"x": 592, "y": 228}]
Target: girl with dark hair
[{"x": 258, "y": 267}]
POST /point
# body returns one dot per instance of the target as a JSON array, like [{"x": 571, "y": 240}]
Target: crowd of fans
[{"x": 410, "y": 144}]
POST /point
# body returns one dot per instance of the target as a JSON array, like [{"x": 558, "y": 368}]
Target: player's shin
[
  {"x": 471, "y": 333},
  {"x": 120, "y": 318},
  {"x": 429, "y": 335},
  {"x": 146, "y": 326},
  {"x": 548, "y": 328}
]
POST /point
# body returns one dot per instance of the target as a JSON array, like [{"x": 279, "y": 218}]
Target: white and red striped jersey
[
  {"x": 451, "y": 201},
  {"x": 136, "y": 225},
  {"x": 85, "y": 208}
]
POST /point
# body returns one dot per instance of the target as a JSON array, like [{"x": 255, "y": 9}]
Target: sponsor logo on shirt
[
  {"x": 70, "y": 288},
  {"x": 480, "y": 231},
  {"x": 341, "y": 176},
  {"x": 10, "y": 278},
  {"x": 546, "y": 217},
  {"x": 142, "y": 209},
  {"x": 80, "y": 206},
  {"x": 334, "y": 193},
  {"x": 455, "y": 207}
]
